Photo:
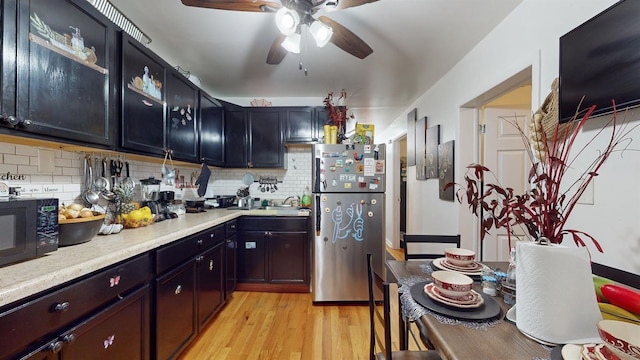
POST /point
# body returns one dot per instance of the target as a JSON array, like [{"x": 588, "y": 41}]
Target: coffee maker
[{"x": 166, "y": 198}]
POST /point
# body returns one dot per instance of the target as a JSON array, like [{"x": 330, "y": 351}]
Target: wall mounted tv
[{"x": 600, "y": 60}]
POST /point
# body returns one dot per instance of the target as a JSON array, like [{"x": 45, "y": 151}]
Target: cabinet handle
[
  {"x": 114, "y": 281},
  {"x": 12, "y": 120},
  {"x": 211, "y": 265},
  {"x": 55, "y": 346},
  {"x": 69, "y": 338},
  {"x": 178, "y": 290},
  {"x": 200, "y": 242},
  {"x": 233, "y": 227},
  {"x": 212, "y": 235},
  {"x": 61, "y": 307},
  {"x": 199, "y": 258}
]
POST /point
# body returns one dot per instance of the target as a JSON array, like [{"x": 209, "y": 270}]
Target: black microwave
[{"x": 29, "y": 228}]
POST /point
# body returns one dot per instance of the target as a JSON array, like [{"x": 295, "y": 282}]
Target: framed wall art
[
  {"x": 445, "y": 169},
  {"x": 411, "y": 137},
  {"x": 421, "y": 155},
  {"x": 431, "y": 158}
]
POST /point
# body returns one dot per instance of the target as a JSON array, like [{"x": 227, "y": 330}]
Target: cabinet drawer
[
  {"x": 272, "y": 223},
  {"x": 50, "y": 312},
  {"x": 180, "y": 251},
  {"x": 231, "y": 227}
]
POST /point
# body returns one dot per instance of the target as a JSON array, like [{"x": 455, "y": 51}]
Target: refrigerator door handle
[
  {"x": 318, "y": 214},
  {"x": 317, "y": 183}
]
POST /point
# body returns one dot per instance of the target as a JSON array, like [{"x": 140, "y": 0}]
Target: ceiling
[{"x": 414, "y": 42}]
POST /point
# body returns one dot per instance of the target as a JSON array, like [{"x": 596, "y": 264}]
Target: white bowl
[
  {"x": 621, "y": 337},
  {"x": 460, "y": 257},
  {"x": 452, "y": 284}
]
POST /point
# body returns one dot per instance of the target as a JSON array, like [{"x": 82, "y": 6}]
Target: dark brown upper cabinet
[
  {"x": 182, "y": 117},
  {"x": 266, "y": 146},
  {"x": 58, "y": 70},
  {"x": 143, "y": 99},
  {"x": 211, "y": 130}
]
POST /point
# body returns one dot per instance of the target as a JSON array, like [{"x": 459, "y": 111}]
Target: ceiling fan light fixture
[
  {"x": 287, "y": 20},
  {"x": 321, "y": 33},
  {"x": 292, "y": 43}
]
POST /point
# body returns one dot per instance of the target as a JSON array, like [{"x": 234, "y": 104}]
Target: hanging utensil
[
  {"x": 89, "y": 196},
  {"x": 100, "y": 183},
  {"x": 169, "y": 174}
]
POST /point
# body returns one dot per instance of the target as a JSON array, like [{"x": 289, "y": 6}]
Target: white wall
[{"x": 527, "y": 37}]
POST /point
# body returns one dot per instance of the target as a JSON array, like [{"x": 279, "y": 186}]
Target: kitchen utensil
[
  {"x": 247, "y": 179},
  {"x": 89, "y": 196},
  {"x": 168, "y": 174},
  {"x": 101, "y": 183},
  {"x": 128, "y": 181}
]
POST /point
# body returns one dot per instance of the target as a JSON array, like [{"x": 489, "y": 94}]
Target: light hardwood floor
[{"x": 255, "y": 325}]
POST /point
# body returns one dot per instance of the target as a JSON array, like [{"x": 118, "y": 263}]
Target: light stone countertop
[{"x": 67, "y": 263}]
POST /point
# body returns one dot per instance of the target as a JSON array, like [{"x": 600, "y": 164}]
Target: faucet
[{"x": 289, "y": 198}]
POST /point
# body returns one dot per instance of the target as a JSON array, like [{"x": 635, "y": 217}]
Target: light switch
[
  {"x": 250, "y": 245},
  {"x": 46, "y": 161}
]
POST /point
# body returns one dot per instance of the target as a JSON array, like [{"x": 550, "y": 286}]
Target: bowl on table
[
  {"x": 452, "y": 284},
  {"x": 79, "y": 230},
  {"x": 460, "y": 257},
  {"x": 622, "y": 338}
]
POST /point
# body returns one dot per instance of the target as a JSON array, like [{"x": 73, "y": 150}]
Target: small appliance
[{"x": 29, "y": 228}]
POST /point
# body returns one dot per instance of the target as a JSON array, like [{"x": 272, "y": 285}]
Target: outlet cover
[{"x": 46, "y": 161}]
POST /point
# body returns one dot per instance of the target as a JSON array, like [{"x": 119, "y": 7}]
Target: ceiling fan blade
[
  {"x": 276, "y": 52},
  {"x": 237, "y": 5},
  {"x": 346, "y": 40},
  {"x": 344, "y": 4}
]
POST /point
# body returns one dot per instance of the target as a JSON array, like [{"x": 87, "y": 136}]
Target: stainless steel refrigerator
[{"x": 348, "y": 219}]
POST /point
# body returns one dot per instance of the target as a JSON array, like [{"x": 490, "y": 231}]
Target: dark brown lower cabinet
[
  {"x": 189, "y": 293},
  {"x": 121, "y": 331},
  {"x": 273, "y": 251},
  {"x": 210, "y": 282},
  {"x": 175, "y": 310}
]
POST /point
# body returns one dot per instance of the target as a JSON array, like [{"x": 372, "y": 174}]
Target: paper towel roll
[{"x": 554, "y": 294}]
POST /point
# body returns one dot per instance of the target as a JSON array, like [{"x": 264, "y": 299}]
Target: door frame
[{"x": 470, "y": 113}]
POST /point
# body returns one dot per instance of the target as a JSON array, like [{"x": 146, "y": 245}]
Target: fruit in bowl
[
  {"x": 452, "y": 284},
  {"x": 622, "y": 338},
  {"x": 460, "y": 257}
]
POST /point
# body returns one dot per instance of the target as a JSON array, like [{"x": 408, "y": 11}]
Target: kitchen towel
[
  {"x": 203, "y": 180},
  {"x": 555, "y": 298}
]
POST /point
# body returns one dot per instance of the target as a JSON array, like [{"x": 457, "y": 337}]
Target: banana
[{"x": 613, "y": 312}]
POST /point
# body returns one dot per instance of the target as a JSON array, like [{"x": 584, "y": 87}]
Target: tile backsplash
[{"x": 22, "y": 165}]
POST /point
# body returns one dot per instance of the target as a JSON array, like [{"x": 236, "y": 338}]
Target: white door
[{"x": 505, "y": 155}]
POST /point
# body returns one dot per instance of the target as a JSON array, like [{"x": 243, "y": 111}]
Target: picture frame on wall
[
  {"x": 432, "y": 142},
  {"x": 421, "y": 155},
  {"x": 411, "y": 137},
  {"x": 445, "y": 169}
]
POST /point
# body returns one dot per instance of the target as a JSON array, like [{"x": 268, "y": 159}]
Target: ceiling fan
[{"x": 291, "y": 15}]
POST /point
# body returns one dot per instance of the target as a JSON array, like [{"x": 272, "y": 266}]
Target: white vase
[{"x": 555, "y": 298}]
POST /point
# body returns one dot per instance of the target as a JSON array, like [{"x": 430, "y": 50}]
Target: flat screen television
[{"x": 600, "y": 60}]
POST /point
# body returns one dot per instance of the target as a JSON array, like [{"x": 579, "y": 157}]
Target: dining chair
[
  {"x": 381, "y": 316},
  {"x": 435, "y": 248}
]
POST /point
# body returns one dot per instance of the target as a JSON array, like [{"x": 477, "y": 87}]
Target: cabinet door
[
  {"x": 287, "y": 257},
  {"x": 182, "y": 119},
  {"x": 320, "y": 120},
  {"x": 299, "y": 125},
  {"x": 265, "y": 138},
  {"x": 231, "y": 244},
  {"x": 211, "y": 131},
  {"x": 210, "y": 269},
  {"x": 8, "y": 50},
  {"x": 119, "y": 332},
  {"x": 235, "y": 139},
  {"x": 65, "y": 79},
  {"x": 251, "y": 257},
  {"x": 175, "y": 311},
  {"x": 143, "y": 100}
]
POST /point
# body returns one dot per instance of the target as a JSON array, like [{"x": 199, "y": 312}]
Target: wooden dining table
[{"x": 504, "y": 341}]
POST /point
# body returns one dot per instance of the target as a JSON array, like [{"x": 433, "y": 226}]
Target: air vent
[{"x": 118, "y": 18}]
